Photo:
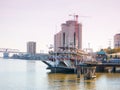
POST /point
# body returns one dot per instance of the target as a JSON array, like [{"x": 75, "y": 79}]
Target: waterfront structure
[
  {"x": 69, "y": 36},
  {"x": 90, "y": 68},
  {"x": 31, "y": 47},
  {"x": 101, "y": 56},
  {"x": 117, "y": 40},
  {"x": 65, "y": 60},
  {"x": 67, "y": 48}
]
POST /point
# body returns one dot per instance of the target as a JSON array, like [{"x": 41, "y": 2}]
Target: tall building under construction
[{"x": 69, "y": 36}]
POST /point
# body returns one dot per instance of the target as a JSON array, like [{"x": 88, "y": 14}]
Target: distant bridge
[{"x": 8, "y": 50}]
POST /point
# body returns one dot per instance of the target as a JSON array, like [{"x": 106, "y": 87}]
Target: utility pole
[{"x": 109, "y": 43}]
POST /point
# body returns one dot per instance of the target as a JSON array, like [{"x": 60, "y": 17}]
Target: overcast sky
[{"x": 38, "y": 20}]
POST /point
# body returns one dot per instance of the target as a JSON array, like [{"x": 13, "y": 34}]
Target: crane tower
[{"x": 76, "y": 29}]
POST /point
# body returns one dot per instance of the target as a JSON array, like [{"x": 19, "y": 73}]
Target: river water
[{"x": 32, "y": 75}]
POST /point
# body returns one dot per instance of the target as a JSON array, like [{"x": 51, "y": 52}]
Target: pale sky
[{"x": 38, "y": 20}]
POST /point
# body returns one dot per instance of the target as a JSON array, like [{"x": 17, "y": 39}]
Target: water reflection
[
  {"x": 63, "y": 81},
  {"x": 31, "y": 66},
  {"x": 108, "y": 81},
  {"x": 104, "y": 81},
  {"x": 69, "y": 82},
  {"x": 30, "y": 74},
  {"x": 90, "y": 84}
]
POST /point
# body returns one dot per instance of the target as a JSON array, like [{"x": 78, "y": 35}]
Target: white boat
[{"x": 65, "y": 60}]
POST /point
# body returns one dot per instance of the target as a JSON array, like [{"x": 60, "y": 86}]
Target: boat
[{"x": 65, "y": 60}]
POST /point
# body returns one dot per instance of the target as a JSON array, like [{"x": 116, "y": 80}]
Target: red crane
[{"x": 77, "y": 28}]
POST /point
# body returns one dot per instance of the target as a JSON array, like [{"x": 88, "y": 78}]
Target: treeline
[{"x": 110, "y": 51}]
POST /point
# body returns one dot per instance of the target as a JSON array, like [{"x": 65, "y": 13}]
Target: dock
[{"x": 88, "y": 69}]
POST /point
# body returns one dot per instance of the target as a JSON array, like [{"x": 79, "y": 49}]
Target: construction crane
[
  {"x": 76, "y": 28},
  {"x": 76, "y": 17}
]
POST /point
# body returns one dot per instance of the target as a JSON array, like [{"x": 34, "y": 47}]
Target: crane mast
[{"x": 76, "y": 29}]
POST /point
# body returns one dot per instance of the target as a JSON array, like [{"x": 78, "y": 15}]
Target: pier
[{"x": 89, "y": 69}]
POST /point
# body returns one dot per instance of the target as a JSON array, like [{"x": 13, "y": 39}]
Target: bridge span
[
  {"x": 7, "y": 51},
  {"x": 22, "y": 55}
]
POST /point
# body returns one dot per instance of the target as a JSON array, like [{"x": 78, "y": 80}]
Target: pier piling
[
  {"x": 89, "y": 72},
  {"x": 78, "y": 71}
]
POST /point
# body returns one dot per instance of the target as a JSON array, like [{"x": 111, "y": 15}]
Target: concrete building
[
  {"x": 57, "y": 41},
  {"x": 69, "y": 36},
  {"x": 31, "y": 47},
  {"x": 117, "y": 40}
]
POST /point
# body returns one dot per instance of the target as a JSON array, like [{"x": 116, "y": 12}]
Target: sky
[{"x": 38, "y": 20}]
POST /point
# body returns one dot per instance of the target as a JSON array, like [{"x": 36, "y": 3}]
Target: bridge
[
  {"x": 24, "y": 55},
  {"x": 9, "y": 50},
  {"x": 6, "y": 51}
]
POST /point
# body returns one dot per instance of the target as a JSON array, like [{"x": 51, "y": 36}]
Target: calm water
[{"x": 32, "y": 75}]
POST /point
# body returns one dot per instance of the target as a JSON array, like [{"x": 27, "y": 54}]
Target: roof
[{"x": 101, "y": 52}]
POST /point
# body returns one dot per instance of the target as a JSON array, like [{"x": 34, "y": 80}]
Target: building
[
  {"x": 31, "y": 47},
  {"x": 117, "y": 40},
  {"x": 69, "y": 36},
  {"x": 57, "y": 41}
]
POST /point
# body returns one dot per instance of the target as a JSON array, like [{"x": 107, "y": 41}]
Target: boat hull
[{"x": 62, "y": 70}]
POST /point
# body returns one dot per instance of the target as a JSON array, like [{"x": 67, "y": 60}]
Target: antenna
[{"x": 109, "y": 43}]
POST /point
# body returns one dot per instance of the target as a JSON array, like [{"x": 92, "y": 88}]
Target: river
[{"x": 32, "y": 75}]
